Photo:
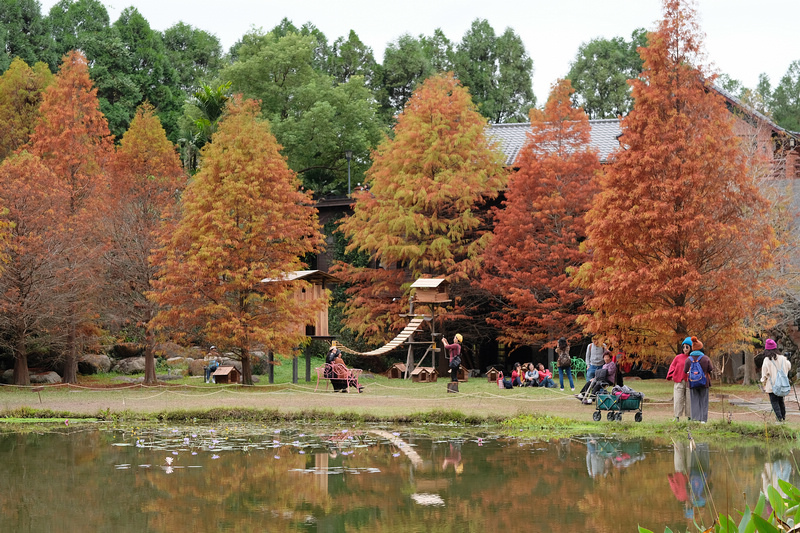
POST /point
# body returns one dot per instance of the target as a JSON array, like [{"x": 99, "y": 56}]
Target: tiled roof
[{"x": 511, "y": 138}]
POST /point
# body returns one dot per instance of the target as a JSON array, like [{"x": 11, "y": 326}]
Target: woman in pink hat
[{"x": 769, "y": 369}]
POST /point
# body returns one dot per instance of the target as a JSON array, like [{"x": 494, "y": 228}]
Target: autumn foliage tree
[
  {"x": 34, "y": 199},
  {"x": 678, "y": 236},
  {"x": 243, "y": 220},
  {"x": 420, "y": 215},
  {"x": 73, "y": 142},
  {"x": 537, "y": 235},
  {"x": 20, "y": 96},
  {"x": 148, "y": 178}
]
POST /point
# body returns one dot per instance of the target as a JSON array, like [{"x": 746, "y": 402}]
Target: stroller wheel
[
  {"x": 610, "y": 416},
  {"x": 638, "y": 417},
  {"x": 597, "y": 416},
  {"x": 619, "y": 417}
]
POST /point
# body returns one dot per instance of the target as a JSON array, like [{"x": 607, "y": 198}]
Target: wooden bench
[{"x": 335, "y": 369}]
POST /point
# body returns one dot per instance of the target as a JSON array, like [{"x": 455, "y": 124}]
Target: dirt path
[{"x": 381, "y": 399}]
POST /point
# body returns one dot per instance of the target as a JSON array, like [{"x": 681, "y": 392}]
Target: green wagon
[{"x": 615, "y": 407}]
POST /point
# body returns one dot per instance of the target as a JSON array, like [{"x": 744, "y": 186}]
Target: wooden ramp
[{"x": 394, "y": 343}]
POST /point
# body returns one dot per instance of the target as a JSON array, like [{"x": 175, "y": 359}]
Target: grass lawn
[{"x": 478, "y": 401}]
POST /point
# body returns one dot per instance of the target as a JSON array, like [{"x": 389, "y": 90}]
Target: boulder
[
  {"x": 130, "y": 365},
  {"x": 196, "y": 367},
  {"x": 46, "y": 377},
  {"x": 8, "y": 376},
  {"x": 93, "y": 363},
  {"x": 176, "y": 361},
  {"x": 127, "y": 350}
]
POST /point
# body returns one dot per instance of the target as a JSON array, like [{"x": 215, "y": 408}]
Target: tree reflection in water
[{"x": 246, "y": 478}]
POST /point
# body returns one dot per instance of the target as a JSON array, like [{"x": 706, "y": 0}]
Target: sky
[{"x": 744, "y": 38}]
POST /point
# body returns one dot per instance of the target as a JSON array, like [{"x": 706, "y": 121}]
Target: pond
[{"x": 256, "y": 478}]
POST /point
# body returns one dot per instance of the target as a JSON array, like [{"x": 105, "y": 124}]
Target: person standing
[
  {"x": 212, "y": 363},
  {"x": 594, "y": 358},
  {"x": 773, "y": 361},
  {"x": 453, "y": 351},
  {"x": 698, "y": 390},
  {"x": 681, "y": 399},
  {"x": 564, "y": 362}
]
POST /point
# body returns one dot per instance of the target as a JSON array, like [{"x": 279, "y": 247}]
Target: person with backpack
[
  {"x": 454, "y": 355},
  {"x": 564, "y": 362},
  {"x": 774, "y": 378},
  {"x": 698, "y": 367},
  {"x": 681, "y": 399}
]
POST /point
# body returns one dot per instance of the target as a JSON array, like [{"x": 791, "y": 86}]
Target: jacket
[
  {"x": 769, "y": 370},
  {"x": 675, "y": 372}
]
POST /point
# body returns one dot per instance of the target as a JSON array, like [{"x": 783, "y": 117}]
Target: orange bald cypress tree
[
  {"x": 148, "y": 178},
  {"x": 73, "y": 141},
  {"x": 243, "y": 220},
  {"x": 34, "y": 198},
  {"x": 678, "y": 236},
  {"x": 537, "y": 235},
  {"x": 421, "y": 215}
]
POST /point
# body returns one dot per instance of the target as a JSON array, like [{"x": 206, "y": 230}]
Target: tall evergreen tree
[
  {"x": 73, "y": 141},
  {"x": 537, "y": 237},
  {"x": 678, "y": 235},
  {"x": 421, "y": 213},
  {"x": 148, "y": 178},
  {"x": 243, "y": 220}
]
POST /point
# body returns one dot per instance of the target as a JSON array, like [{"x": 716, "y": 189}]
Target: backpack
[
  {"x": 564, "y": 360},
  {"x": 780, "y": 384},
  {"x": 697, "y": 378}
]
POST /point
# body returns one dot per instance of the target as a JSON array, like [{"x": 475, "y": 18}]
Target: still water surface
[{"x": 255, "y": 478}]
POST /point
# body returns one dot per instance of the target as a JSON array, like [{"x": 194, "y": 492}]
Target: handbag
[{"x": 455, "y": 362}]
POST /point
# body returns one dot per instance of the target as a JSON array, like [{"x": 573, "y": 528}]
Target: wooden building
[
  {"x": 320, "y": 282},
  {"x": 492, "y": 374}
]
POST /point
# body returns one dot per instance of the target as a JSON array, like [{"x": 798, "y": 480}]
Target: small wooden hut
[
  {"x": 424, "y": 374},
  {"x": 463, "y": 373},
  {"x": 226, "y": 374},
  {"x": 398, "y": 371},
  {"x": 492, "y": 374}
]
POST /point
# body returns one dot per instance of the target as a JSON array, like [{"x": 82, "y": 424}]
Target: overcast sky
[{"x": 743, "y": 37}]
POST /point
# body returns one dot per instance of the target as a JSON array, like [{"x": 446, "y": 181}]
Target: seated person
[
  {"x": 344, "y": 378},
  {"x": 516, "y": 376},
  {"x": 606, "y": 375},
  {"x": 545, "y": 377},
  {"x": 329, "y": 360},
  {"x": 531, "y": 376}
]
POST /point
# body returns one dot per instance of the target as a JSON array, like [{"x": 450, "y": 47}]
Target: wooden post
[
  {"x": 452, "y": 386},
  {"x": 308, "y": 367},
  {"x": 294, "y": 369}
]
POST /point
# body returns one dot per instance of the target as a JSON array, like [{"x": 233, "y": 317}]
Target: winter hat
[
  {"x": 770, "y": 345},
  {"x": 696, "y": 344},
  {"x": 687, "y": 340}
]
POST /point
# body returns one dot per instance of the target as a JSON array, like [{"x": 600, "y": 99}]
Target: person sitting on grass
[
  {"x": 606, "y": 375},
  {"x": 545, "y": 377},
  {"x": 516, "y": 376},
  {"x": 531, "y": 376}
]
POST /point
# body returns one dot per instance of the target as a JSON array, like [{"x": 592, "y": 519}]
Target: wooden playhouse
[
  {"x": 398, "y": 371},
  {"x": 424, "y": 374}
]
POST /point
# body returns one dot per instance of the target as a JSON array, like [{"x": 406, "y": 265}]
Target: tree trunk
[
  {"x": 21, "y": 374},
  {"x": 247, "y": 370},
  {"x": 728, "y": 372},
  {"x": 70, "y": 359},
  {"x": 750, "y": 376},
  {"x": 149, "y": 356}
]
